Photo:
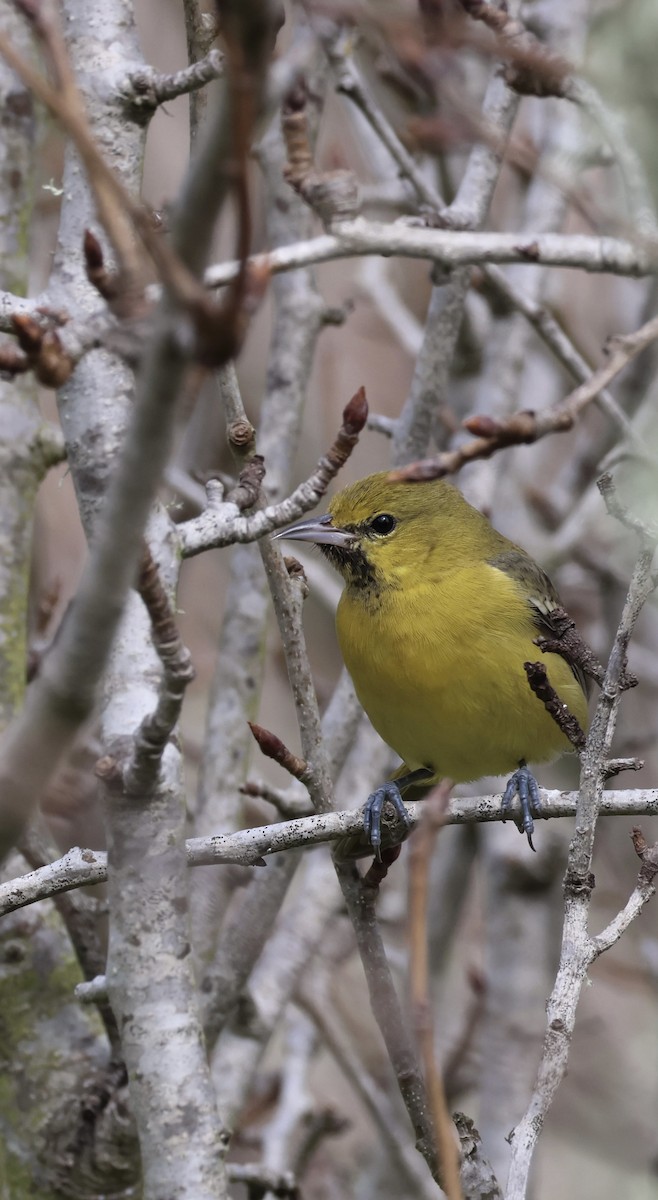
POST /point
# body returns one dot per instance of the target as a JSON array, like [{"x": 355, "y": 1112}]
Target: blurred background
[{"x": 495, "y": 907}]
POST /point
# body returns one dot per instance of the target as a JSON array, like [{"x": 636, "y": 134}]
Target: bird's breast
[{"x": 438, "y": 667}]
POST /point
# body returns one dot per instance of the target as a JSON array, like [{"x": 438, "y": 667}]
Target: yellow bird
[{"x": 438, "y": 615}]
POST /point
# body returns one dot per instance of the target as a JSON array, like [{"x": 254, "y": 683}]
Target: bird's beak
[{"x": 318, "y": 530}]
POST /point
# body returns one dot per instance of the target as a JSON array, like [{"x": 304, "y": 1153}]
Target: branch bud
[{"x": 355, "y": 413}]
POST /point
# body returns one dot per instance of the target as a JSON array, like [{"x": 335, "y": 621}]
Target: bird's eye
[{"x": 383, "y": 524}]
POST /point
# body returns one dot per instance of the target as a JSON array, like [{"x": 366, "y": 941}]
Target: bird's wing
[{"x": 541, "y": 595}]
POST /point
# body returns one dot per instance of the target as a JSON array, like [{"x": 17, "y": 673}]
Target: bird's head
[{"x": 379, "y": 532}]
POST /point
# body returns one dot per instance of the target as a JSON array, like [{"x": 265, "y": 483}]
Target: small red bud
[
  {"x": 482, "y": 425},
  {"x": 270, "y": 744},
  {"x": 418, "y": 472},
  {"x": 355, "y": 413},
  {"x": 93, "y": 251},
  {"x": 28, "y": 332}
]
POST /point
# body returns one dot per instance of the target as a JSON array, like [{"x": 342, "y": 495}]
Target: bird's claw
[
  {"x": 524, "y": 785},
  {"x": 372, "y": 813}
]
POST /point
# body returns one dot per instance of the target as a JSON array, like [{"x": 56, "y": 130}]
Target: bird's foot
[
  {"x": 391, "y": 791},
  {"x": 372, "y": 813},
  {"x": 524, "y": 785}
]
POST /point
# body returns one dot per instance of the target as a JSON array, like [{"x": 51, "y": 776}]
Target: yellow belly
[{"x": 439, "y": 671}]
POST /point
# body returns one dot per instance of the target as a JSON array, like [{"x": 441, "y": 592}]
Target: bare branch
[
  {"x": 477, "y": 1177},
  {"x": 146, "y": 88},
  {"x": 351, "y": 83},
  {"x": 267, "y": 1181},
  {"x": 450, "y": 249},
  {"x": 421, "y": 850},
  {"x": 636, "y": 186},
  {"x": 527, "y": 427},
  {"x": 221, "y": 526},
  {"x": 579, "y": 949},
  {"x": 360, "y": 897},
  {"x": 375, "y": 1101},
  {"x": 272, "y": 747},
  {"x": 141, "y": 772},
  {"x": 119, "y": 213},
  {"x": 63, "y": 695},
  {"x": 248, "y": 847}
]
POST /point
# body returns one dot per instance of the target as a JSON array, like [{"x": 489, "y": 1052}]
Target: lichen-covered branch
[{"x": 248, "y": 847}]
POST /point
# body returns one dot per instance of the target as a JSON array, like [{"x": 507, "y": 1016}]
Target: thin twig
[
  {"x": 114, "y": 202},
  {"x": 351, "y": 84},
  {"x": 635, "y": 183},
  {"x": 360, "y": 898},
  {"x": 557, "y": 709},
  {"x": 272, "y": 747},
  {"x": 579, "y": 948},
  {"x": 527, "y": 427},
  {"x": 219, "y": 525},
  {"x": 288, "y": 803},
  {"x": 421, "y": 849},
  {"x": 313, "y": 998}
]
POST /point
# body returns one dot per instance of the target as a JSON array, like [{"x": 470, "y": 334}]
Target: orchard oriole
[{"x": 438, "y": 615}]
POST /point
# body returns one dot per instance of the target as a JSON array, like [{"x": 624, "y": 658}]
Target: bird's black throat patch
[{"x": 353, "y": 565}]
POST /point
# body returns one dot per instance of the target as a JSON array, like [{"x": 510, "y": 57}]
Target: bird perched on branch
[{"x": 438, "y": 615}]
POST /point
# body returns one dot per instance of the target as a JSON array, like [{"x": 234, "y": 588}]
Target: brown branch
[
  {"x": 68, "y": 105},
  {"x": 522, "y": 428},
  {"x": 163, "y": 626},
  {"x": 12, "y": 361},
  {"x": 533, "y": 70},
  {"x": 361, "y": 906},
  {"x": 333, "y": 195},
  {"x": 544, "y": 691},
  {"x": 379, "y": 867},
  {"x": 155, "y": 730},
  {"x": 420, "y": 852},
  {"x": 648, "y": 856},
  {"x": 52, "y": 343},
  {"x": 567, "y": 642},
  {"x": 355, "y": 415},
  {"x": 527, "y": 426},
  {"x": 43, "y": 351},
  {"x": 106, "y": 282},
  {"x": 115, "y": 205},
  {"x": 247, "y": 490},
  {"x": 272, "y": 747},
  {"x": 222, "y": 327}
]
